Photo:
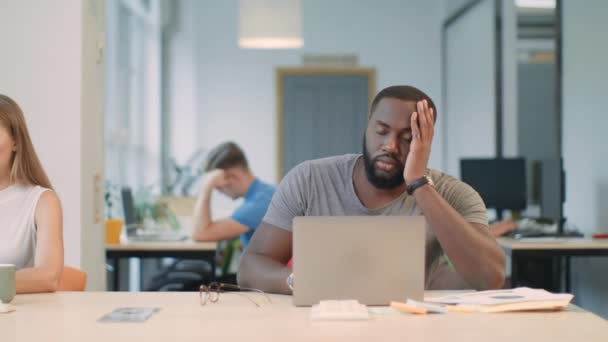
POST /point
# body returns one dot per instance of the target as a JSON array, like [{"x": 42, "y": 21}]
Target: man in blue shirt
[{"x": 228, "y": 172}]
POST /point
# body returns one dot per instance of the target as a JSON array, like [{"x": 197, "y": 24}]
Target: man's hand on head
[
  {"x": 422, "y": 123},
  {"x": 214, "y": 179}
]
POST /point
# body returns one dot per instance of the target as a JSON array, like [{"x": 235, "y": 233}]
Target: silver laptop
[
  {"x": 157, "y": 237},
  {"x": 373, "y": 259}
]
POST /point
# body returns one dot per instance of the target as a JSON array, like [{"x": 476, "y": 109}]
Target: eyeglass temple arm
[{"x": 236, "y": 287}]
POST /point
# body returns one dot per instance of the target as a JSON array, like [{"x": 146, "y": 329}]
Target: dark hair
[
  {"x": 226, "y": 155},
  {"x": 402, "y": 92}
]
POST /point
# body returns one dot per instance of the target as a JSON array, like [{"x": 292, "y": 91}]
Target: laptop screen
[{"x": 128, "y": 205}]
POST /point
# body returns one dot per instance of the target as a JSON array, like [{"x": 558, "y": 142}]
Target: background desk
[
  {"x": 561, "y": 248},
  {"x": 73, "y": 317},
  {"x": 179, "y": 249}
]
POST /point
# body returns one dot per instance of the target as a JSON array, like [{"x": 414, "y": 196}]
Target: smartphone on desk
[{"x": 129, "y": 314}]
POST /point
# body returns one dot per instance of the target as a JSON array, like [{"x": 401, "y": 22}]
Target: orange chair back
[{"x": 72, "y": 279}]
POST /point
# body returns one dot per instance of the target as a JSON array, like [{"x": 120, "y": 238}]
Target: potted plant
[{"x": 152, "y": 211}]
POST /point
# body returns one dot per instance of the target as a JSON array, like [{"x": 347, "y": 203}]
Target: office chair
[{"x": 182, "y": 275}]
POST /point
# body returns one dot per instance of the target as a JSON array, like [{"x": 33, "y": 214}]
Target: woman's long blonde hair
[{"x": 26, "y": 167}]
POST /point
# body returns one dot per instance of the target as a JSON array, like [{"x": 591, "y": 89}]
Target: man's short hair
[
  {"x": 225, "y": 156},
  {"x": 402, "y": 92}
]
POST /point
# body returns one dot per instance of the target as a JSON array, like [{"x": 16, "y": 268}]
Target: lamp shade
[{"x": 270, "y": 24}]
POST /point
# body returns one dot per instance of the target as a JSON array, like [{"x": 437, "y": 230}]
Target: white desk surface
[
  {"x": 73, "y": 317},
  {"x": 552, "y": 243},
  {"x": 187, "y": 245}
]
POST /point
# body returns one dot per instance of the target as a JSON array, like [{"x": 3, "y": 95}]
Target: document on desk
[
  {"x": 129, "y": 314},
  {"x": 519, "y": 299}
]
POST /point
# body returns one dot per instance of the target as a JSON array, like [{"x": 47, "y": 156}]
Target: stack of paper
[
  {"x": 332, "y": 310},
  {"x": 519, "y": 299}
]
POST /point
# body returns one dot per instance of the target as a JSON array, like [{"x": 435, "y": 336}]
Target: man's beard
[{"x": 381, "y": 181}]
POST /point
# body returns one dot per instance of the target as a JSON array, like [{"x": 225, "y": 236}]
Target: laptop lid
[{"x": 373, "y": 259}]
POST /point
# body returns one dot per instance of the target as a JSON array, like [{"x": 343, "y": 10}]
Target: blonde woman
[{"x": 30, "y": 212}]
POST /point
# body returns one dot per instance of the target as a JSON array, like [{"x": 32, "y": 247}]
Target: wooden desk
[
  {"x": 73, "y": 317},
  {"x": 180, "y": 249},
  {"x": 561, "y": 248}
]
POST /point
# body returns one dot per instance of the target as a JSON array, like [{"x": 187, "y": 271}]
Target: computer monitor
[
  {"x": 552, "y": 192},
  {"x": 501, "y": 182}
]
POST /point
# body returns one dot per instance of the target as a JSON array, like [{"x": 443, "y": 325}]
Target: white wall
[
  {"x": 509, "y": 78},
  {"x": 470, "y": 87},
  {"x": 181, "y": 78},
  {"x": 451, "y": 6},
  {"x": 509, "y": 66},
  {"x": 236, "y": 88},
  {"x": 585, "y": 121},
  {"x": 42, "y": 63}
]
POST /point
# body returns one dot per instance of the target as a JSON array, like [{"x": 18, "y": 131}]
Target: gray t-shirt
[{"x": 324, "y": 187}]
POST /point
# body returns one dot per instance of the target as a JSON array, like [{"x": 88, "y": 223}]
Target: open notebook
[{"x": 519, "y": 299}]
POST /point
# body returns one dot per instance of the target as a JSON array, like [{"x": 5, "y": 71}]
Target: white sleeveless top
[{"x": 17, "y": 224}]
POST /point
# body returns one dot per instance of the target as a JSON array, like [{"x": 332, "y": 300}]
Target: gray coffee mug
[{"x": 7, "y": 283}]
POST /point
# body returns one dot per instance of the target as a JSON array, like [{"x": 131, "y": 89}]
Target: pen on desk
[
  {"x": 407, "y": 308},
  {"x": 420, "y": 308},
  {"x": 600, "y": 236}
]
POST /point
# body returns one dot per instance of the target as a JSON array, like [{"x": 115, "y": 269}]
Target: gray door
[
  {"x": 538, "y": 131},
  {"x": 321, "y": 115}
]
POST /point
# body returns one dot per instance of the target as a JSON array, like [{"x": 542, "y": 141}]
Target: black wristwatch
[{"x": 424, "y": 180}]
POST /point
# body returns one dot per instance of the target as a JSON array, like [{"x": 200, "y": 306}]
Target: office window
[{"x": 133, "y": 93}]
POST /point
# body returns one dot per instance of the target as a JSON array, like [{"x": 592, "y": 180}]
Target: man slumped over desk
[{"x": 390, "y": 178}]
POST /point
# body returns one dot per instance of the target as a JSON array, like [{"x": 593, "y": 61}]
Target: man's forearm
[
  {"x": 202, "y": 213},
  {"x": 474, "y": 253},
  {"x": 263, "y": 273}
]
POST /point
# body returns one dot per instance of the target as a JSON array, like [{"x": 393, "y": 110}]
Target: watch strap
[{"x": 424, "y": 180}]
